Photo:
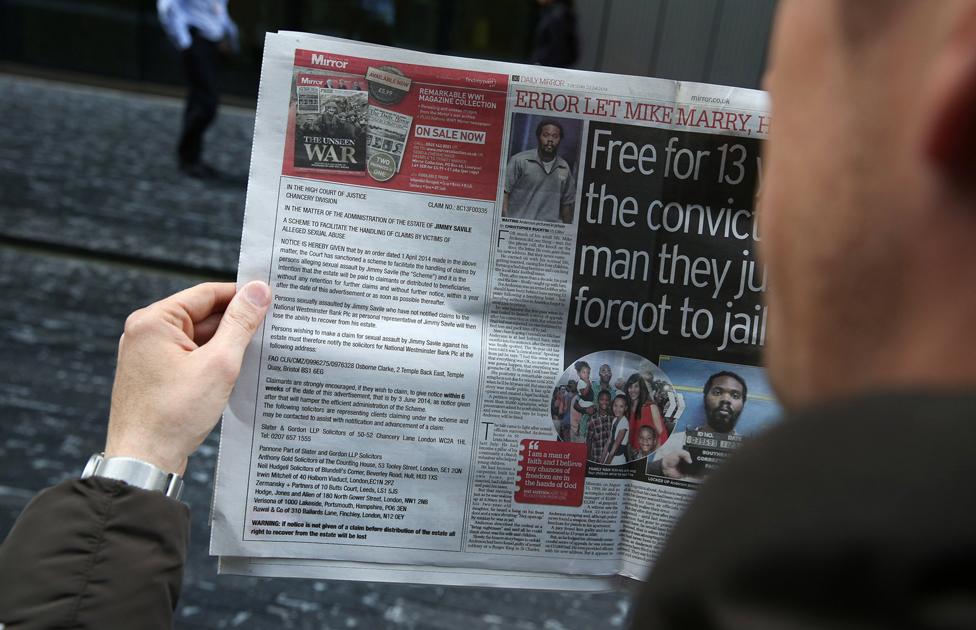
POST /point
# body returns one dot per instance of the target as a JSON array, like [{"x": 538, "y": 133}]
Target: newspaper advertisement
[
  {"x": 330, "y": 122},
  {"x": 517, "y": 318},
  {"x": 388, "y": 134}
]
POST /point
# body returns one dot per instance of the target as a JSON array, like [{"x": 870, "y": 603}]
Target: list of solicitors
[{"x": 369, "y": 368}]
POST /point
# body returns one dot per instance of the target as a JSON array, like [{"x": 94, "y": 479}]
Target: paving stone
[{"x": 96, "y": 169}]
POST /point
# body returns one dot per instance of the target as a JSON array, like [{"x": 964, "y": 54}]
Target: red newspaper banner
[{"x": 395, "y": 126}]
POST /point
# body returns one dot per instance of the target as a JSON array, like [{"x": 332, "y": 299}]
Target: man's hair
[
  {"x": 742, "y": 381},
  {"x": 548, "y": 121}
]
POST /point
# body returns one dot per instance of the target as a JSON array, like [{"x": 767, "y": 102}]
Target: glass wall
[{"x": 121, "y": 39}]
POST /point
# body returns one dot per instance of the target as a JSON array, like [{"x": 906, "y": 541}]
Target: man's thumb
[{"x": 241, "y": 318}]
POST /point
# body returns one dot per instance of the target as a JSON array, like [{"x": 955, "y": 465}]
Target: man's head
[
  {"x": 549, "y": 133},
  {"x": 605, "y": 373},
  {"x": 868, "y": 208},
  {"x": 331, "y": 109},
  {"x": 725, "y": 396}
]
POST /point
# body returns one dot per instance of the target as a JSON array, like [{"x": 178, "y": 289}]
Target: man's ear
[{"x": 950, "y": 131}]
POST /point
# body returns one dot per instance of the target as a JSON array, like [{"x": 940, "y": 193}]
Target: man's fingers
[
  {"x": 241, "y": 318},
  {"x": 201, "y": 301},
  {"x": 685, "y": 455},
  {"x": 204, "y": 330}
]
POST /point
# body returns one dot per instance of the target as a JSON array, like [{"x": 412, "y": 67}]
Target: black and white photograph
[{"x": 330, "y": 123}]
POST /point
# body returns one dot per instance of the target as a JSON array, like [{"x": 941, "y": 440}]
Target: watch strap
[{"x": 134, "y": 472}]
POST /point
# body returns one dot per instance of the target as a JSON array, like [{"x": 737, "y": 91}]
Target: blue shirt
[{"x": 209, "y": 17}]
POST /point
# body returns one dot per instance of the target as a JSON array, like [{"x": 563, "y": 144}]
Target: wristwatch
[{"x": 134, "y": 472}]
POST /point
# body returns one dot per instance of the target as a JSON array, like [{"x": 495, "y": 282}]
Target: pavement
[{"x": 95, "y": 222}]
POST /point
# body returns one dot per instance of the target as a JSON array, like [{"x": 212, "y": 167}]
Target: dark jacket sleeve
[
  {"x": 95, "y": 553},
  {"x": 855, "y": 515}
]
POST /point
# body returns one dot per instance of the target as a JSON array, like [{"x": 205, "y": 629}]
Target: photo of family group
[
  {"x": 621, "y": 405},
  {"x": 726, "y": 404}
]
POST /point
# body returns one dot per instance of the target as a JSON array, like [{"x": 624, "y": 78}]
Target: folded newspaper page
[{"x": 517, "y": 318}]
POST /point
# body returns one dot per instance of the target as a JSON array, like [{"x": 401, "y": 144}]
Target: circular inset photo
[{"x": 620, "y": 404}]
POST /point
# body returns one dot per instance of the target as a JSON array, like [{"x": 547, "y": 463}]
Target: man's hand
[
  {"x": 671, "y": 463},
  {"x": 178, "y": 361}
]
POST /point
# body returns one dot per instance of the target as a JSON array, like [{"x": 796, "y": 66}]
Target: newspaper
[{"x": 517, "y": 318}]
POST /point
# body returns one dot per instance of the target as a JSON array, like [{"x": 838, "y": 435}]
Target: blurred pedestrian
[
  {"x": 201, "y": 30},
  {"x": 555, "y": 42}
]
